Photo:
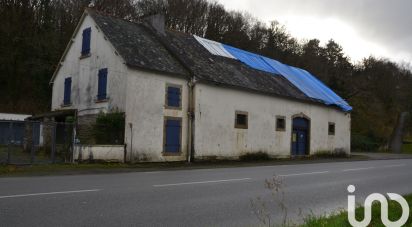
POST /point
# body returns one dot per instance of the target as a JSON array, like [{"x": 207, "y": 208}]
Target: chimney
[{"x": 157, "y": 22}]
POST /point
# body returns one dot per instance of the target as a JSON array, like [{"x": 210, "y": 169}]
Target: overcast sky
[{"x": 382, "y": 28}]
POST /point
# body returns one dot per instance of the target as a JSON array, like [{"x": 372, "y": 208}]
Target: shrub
[
  {"x": 109, "y": 128},
  {"x": 258, "y": 156},
  {"x": 365, "y": 143}
]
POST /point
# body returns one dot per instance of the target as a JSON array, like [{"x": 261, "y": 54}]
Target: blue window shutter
[
  {"x": 86, "y": 41},
  {"x": 67, "y": 90},
  {"x": 173, "y": 96},
  {"x": 102, "y": 84},
  {"x": 173, "y": 136}
]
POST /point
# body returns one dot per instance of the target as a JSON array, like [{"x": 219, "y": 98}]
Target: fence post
[
  {"x": 9, "y": 142},
  {"x": 33, "y": 134},
  {"x": 53, "y": 143}
]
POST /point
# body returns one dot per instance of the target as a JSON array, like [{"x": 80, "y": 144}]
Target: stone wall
[{"x": 84, "y": 128}]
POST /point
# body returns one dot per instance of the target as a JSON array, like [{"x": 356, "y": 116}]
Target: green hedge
[
  {"x": 365, "y": 143},
  {"x": 109, "y": 128}
]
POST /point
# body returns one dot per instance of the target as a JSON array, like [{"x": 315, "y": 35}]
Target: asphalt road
[{"x": 206, "y": 197}]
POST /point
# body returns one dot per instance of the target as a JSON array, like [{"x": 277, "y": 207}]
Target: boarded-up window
[
  {"x": 172, "y": 134},
  {"x": 173, "y": 96},
  {"x": 67, "y": 91},
  {"x": 331, "y": 128},
  {"x": 102, "y": 85},
  {"x": 86, "y": 41},
  {"x": 241, "y": 120},
  {"x": 280, "y": 123}
]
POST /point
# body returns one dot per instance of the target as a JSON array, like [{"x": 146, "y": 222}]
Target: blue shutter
[
  {"x": 86, "y": 41},
  {"x": 67, "y": 90},
  {"x": 102, "y": 84},
  {"x": 173, "y": 96},
  {"x": 173, "y": 136}
]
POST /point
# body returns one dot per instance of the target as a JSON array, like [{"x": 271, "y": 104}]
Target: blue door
[
  {"x": 300, "y": 139},
  {"x": 173, "y": 136},
  {"x": 301, "y": 148}
]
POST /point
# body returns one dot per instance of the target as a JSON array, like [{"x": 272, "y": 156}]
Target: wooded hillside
[{"x": 34, "y": 33}]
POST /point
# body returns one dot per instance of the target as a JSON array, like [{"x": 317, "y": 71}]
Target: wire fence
[{"x": 34, "y": 142}]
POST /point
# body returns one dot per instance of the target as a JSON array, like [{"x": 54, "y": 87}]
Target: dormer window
[{"x": 86, "y": 41}]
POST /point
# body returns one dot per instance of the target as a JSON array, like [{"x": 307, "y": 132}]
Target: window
[
  {"x": 172, "y": 135},
  {"x": 173, "y": 96},
  {"x": 241, "y": 120},
  {"x": 86, "y": 41},
  {"x": 102, "y": 85},
  {"x": 331, "y": 128},
  {"x": 280, "y": 123},
  {"x": 67, "y": 91}
]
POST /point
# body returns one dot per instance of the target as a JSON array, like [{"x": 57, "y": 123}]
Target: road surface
[{"x": 205, "y": 197}]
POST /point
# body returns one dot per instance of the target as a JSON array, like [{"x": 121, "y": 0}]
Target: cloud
[{"x": 378, "y": 27}]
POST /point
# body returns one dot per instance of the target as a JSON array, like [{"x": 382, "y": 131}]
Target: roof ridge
[{"x": 88, "y": 9}]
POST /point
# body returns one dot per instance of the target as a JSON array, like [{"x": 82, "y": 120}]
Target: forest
[{"x": 34, "y": 34}]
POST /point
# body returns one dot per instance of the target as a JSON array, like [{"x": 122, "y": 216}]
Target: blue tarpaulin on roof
[{"x": 302, "y": 79}]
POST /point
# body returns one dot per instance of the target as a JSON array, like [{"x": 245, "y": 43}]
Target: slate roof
[
  {"x": 226, "y": 71},
  {"x": 137, "y": 44},
  {"x": 180, "y": 53}
]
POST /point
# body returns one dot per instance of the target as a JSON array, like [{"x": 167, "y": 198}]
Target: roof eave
[{"x": 85, "y": 13}]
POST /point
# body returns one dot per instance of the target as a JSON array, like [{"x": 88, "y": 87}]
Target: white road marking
[
  {"x": 152, "y": 172},
  {"x": 201, "y": 182},
  {"x": 390, "y": 166},
  {"x": 357, "y": 169},
  {"x": 301, "y": 174},
  {"x": 48, "y": 193}
]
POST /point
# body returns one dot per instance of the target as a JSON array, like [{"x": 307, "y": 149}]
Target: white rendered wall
[
  {"x": 216, "y": 136},
  {"x": 13, "y": 117},
  {"x": 145, "y": 110},
  {"x": 84, "y": 74},
  {"x": 113, "y": 153}
]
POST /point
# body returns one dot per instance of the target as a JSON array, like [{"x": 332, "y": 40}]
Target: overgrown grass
[
  {"x": 330, "y": 154},
  {"x": 55, "y": 168},
  {"x": 364, "y": 143},
  {"x": 102, "y": 167},
  {"x": 407, "y": 147},
  {"x": 341, "y": 218},
  {"x": 258, "y": 156}
]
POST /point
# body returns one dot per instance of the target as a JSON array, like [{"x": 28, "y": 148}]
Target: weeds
[
  {"x": 258, "y": 156},
  {"x": 260, "y": 206}
]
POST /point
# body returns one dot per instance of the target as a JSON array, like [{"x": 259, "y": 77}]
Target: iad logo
[{"x": 384, "y": 209}]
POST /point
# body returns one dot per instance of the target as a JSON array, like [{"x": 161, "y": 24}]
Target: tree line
[{"x": 34, "y": 34}]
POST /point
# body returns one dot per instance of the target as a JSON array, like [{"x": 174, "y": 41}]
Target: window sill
[
  {"x": 85, "y": 56},
  {"x": 280, "y": 130},
  {"x": 172, "y": 153},
  {"x": 101, "y": 100},
  {"x": 173, "y": 107}
]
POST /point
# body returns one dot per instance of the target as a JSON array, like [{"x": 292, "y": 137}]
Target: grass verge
[
  {"x": 91, "y": 168},
  {"x": 340, "y": 219},
  {"x": 407, "y": 147}
]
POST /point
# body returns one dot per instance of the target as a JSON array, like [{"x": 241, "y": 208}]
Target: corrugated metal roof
[{"x": 214, "y": 47}]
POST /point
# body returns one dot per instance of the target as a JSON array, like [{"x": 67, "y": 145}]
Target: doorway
[{"x": 300, "y": 136}]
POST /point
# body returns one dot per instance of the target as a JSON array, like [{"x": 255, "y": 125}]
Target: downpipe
[{"x": 190, "y": 118}]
